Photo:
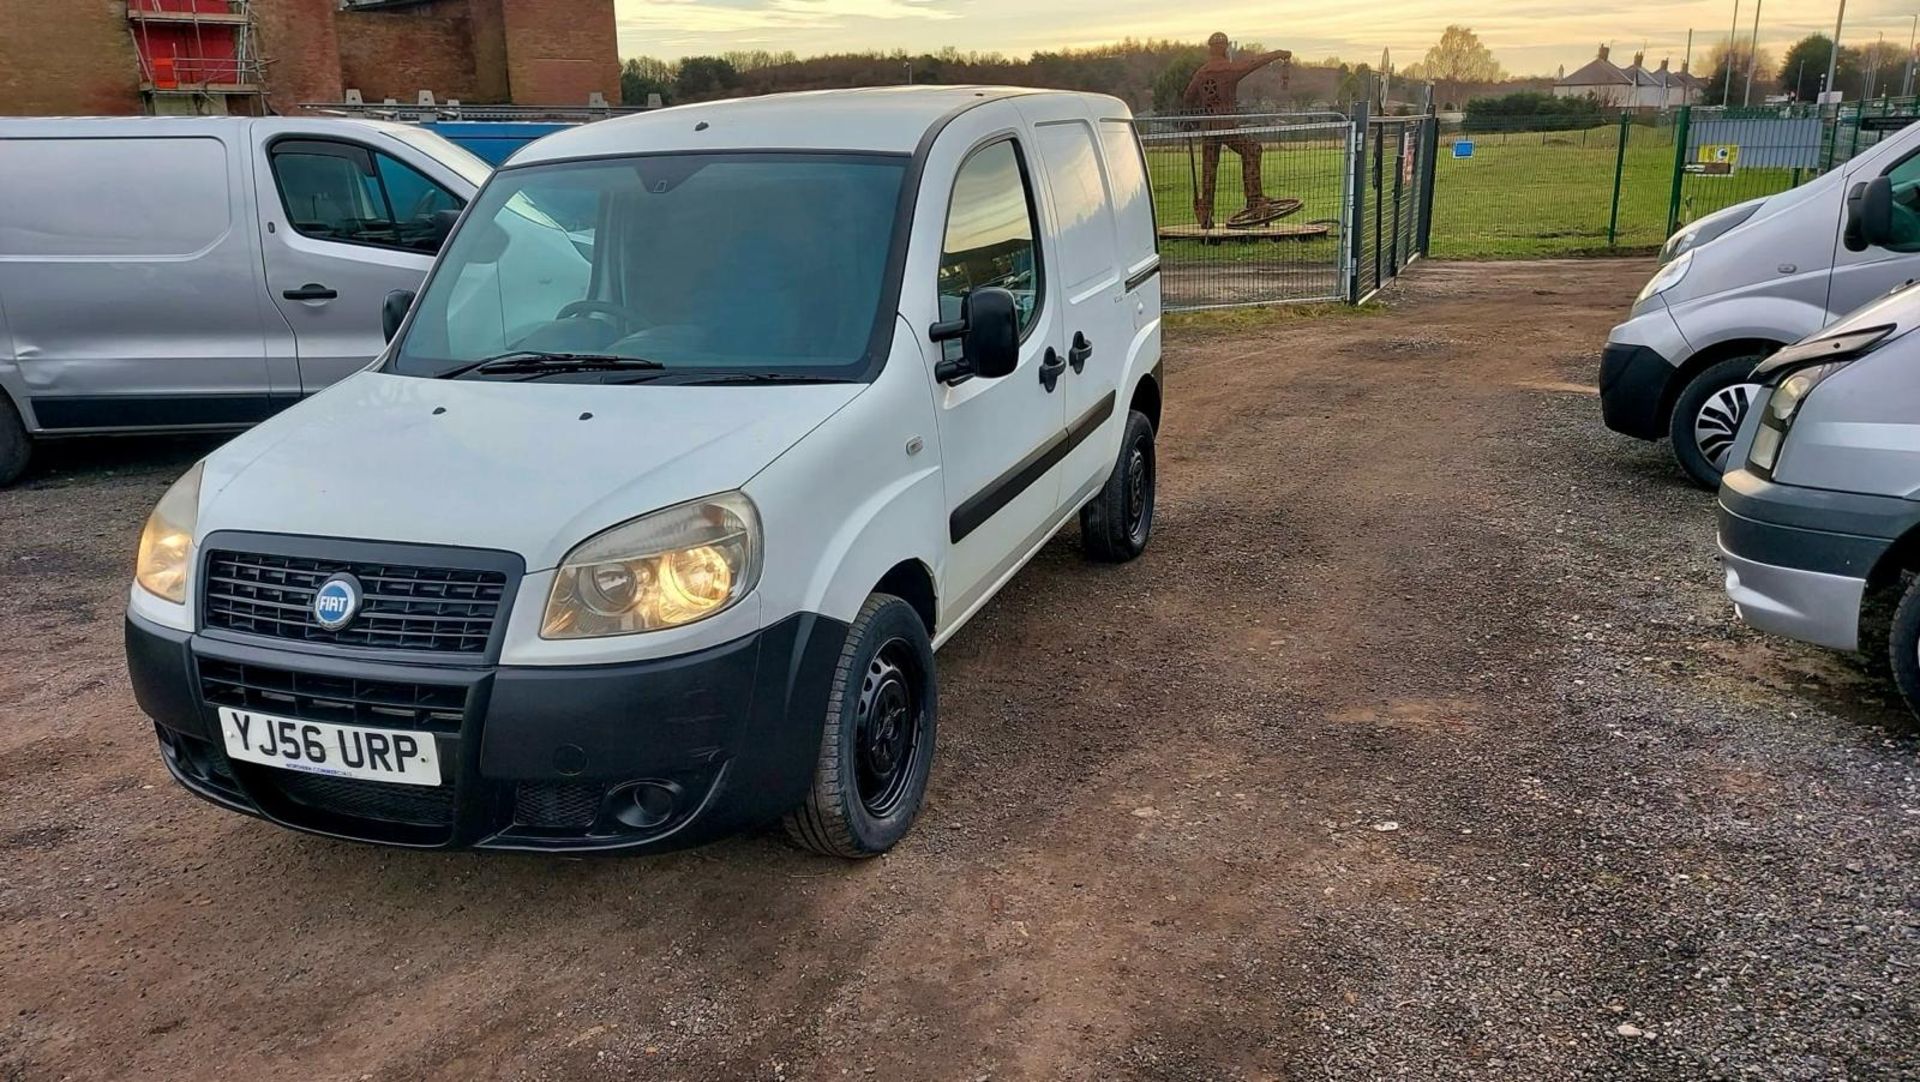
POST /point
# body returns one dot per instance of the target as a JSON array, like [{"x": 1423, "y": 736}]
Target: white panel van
[
  {"x": 201, "y": 273},
  {"x": 709, "y": 426}
]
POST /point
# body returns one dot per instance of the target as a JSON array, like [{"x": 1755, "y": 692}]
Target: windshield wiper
[
  {"x": 544, "y": 362},
  {"x": 755, "y": 377}
]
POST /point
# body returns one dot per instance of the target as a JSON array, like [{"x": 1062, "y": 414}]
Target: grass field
[{"x": 1521, "y": 195}]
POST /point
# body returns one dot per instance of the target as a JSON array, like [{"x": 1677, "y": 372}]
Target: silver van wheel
[{"x": 1719, "y": 420}]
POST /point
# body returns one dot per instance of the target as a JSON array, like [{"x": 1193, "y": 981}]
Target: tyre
[
  {"x": 876, "y": 748},
  {"x": 1117, "y": 523},
  {"x": 1707, "y": 417},
  {"x": 1903, "y": 646},
  {"x": 15, "y": 446}
]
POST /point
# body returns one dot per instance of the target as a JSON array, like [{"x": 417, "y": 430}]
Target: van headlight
[
  {"x": 1710, "y": 228},
  {"x": 166, "y": 542},
  {"x": 1665, "y": 278},
  {"x": 661, "y": 570},
  {"x": 1777, "y": 416}
]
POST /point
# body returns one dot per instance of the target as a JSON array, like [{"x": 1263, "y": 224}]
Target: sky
[{"x": 1529, "y": 37}]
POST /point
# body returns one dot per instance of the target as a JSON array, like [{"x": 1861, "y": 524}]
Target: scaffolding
[{"x": 198, "y": 55}]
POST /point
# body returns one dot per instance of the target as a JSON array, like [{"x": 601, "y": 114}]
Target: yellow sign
[{"x": 1718, "y": 157}]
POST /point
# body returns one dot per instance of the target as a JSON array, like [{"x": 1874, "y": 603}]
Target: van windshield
[{"x": 716, "y": 264}]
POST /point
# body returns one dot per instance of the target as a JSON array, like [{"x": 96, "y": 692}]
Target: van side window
[
  {"x": 1905, "y": 177},
  {"x": 342, "y": 192},
  {"x": 990, "y": 235}
]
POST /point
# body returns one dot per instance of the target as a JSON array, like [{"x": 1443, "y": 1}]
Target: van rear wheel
[
  {"x": 15, "y": 445},
  {"x": 1707, "y": 416},
  {"x": 1116, "y": 524},
  {"x": 876, "y": 748}
]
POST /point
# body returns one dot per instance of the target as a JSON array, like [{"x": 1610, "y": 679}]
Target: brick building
[{"x": 78, "y": 57}]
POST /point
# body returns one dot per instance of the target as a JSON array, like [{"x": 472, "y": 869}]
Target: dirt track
[{"x": 1422, "y": 744}]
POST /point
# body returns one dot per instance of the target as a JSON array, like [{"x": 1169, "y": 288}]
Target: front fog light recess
[
  {"x": 166, "y": 542},
  {"x": 669, "y": 568}
]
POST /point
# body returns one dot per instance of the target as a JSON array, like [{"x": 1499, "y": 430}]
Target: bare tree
[{"x": 1457, "y": 59}]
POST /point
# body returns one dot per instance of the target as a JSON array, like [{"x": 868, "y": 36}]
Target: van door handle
[
  {"x": 1079, "y": 352},
  {"x": 312, "y": 291},
  {"x": 1051, "y": 366}
]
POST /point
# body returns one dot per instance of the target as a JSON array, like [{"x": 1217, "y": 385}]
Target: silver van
[
  {"x": 1737, "y": 285},
  {"x": 1820, "y": 508},
  {"x": 201, "y": 273}
]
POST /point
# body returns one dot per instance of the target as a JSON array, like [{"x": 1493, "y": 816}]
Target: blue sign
[
  {"x": 1463, "y": 148},
  {"x": 336, "y": 602}
]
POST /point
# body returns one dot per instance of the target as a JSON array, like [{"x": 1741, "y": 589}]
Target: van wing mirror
[
  {"x": 1869, "y": 215},
  {"x": 443, "y": 223},
  {"x": 989, "y": 334},
  {"x": 393, "y": 311}
]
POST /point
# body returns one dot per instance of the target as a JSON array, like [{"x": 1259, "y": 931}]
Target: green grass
[{"x": 1522, "y": 195}]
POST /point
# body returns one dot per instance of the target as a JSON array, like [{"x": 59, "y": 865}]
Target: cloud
[{"x": 672, "y": 26}]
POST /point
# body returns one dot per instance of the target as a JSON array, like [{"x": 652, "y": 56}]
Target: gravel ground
[{"x": 1421, "y": 745}]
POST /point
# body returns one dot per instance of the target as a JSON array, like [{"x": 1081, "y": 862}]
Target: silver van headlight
[
  {"x": 165, "y": 562},
  {"x": 1668, "y": 276},
  {"x": 672, "y": 567},
  {"x": 1780, "y": 411}
]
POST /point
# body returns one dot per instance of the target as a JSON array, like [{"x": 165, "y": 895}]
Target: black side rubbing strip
[
  {"x": 1143, "y": 275},
  {"x": 155, "y": 411},
  {"x": 982, "y": 505}
]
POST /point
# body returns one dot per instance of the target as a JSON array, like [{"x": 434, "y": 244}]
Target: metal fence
[
  {"x": 1534, "y": 186},
  {"x": 1270, "y": 208},
  {"x": 1525, "y": 187}
]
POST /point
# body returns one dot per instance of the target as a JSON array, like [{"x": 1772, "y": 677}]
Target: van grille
[
  {"x": 411, "y": 804},
  {"x": 446, "y": 610},
  {"x": 338, "y": 699}
]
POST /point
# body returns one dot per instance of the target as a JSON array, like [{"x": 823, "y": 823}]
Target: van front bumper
[
  {"x": 1798, "y": 559},
  {"x": 1633, "y": 388},
  {"x": 1637, "y": 369},
  {"x": 645, "y": 756}
]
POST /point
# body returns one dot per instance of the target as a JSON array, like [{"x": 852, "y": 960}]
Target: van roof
[{"x": 886, "y": 119}]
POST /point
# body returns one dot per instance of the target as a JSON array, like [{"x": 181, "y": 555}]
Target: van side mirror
[
  {"x": 1869, "y": 215},
  {"x": 443, "y": 223},
  {"x": 394, "y": 311},
  {"x": 989, "y": 334}
]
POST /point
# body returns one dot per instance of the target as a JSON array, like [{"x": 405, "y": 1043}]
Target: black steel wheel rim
[
  {"x": 888, "y": 729},
  {"x": 1139, "y": 488}
]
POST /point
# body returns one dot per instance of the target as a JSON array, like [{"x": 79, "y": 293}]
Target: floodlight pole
[
  {"x": 1753, "y": 60},
  {"x": 1906, "y": 81},
  {"x": 1733, "y": 54},
  {"x": 1833, "y": 52}
]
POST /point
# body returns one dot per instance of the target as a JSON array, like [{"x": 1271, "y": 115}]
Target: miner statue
[{"x": 1213, "y": 93}]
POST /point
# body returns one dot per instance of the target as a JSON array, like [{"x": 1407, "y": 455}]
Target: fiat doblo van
[
  {"x": 199, "y": 273},
  {"x": 646, "y": 531},
  {"x": 1820, "y": 512},
  {"x": 1737, "y": 285}
]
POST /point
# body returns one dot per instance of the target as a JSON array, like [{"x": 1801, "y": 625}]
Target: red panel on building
[{"x": 188, "y": 42}]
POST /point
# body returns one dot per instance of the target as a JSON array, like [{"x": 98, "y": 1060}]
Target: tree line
[{"x": 1150, "y": 74}]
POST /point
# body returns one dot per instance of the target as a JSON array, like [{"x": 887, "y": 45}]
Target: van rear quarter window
[{"x": 130, "y": 198}]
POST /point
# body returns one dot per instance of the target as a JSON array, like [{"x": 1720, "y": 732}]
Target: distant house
[{"x": 1635, "y": 86}]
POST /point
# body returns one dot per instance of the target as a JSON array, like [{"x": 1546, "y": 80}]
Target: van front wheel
[
  {"x": 1117, "y": 523},
  {"x": 15, "y": 445},
  {"x": 1903, "y": 646},
  {"x": 1707, "y": 416},
  {"x": 876, "y": 748}
]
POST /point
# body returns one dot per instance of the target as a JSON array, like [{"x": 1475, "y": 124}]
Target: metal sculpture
[{"x": 1213, "y": 93}]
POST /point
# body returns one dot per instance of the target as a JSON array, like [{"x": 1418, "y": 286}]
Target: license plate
[{"x": 340, "y": 751}]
